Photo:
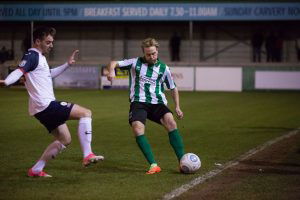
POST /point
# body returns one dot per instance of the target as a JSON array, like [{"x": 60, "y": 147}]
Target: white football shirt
[{"x": 38, "y": 80}]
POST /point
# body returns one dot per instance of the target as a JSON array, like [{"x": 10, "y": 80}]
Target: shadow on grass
[{"x": 102, "y": 167}]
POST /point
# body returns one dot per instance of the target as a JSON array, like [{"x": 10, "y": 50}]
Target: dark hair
[{"x": 42, "y": 32}]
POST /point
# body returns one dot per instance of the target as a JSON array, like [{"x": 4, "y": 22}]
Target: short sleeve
[
  {"x": 127, "y": 63},
  {"x": 169, "y": 79},
  {"x": 29, "y": 61}
]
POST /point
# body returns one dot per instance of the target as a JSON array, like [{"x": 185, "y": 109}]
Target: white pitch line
[{"x": 210, "y": 174}]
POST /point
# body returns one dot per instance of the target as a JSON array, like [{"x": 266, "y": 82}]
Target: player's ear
[{"x": 37, "y": 41}]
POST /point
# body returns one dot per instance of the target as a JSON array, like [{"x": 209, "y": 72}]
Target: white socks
[
  {"x": 85, "y": 135},
  {"x": 85, "y": 139},
  {"x": 50, "y": 153}
]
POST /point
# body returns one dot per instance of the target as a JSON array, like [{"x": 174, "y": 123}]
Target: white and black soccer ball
[{"x": 189, "y": 163}]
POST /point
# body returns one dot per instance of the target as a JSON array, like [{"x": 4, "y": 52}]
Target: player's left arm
[
  {"x": 175, "y": 96},
  {"x": 60, "y": 69},
  {"x": 174, "y": 92},
  {"x": 72, "y": 60}
]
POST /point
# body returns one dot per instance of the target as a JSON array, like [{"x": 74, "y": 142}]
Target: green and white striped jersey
[{"x": 146, "y": 81}]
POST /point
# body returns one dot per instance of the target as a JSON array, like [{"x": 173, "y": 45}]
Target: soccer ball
[{"x": 189, "y": 163}]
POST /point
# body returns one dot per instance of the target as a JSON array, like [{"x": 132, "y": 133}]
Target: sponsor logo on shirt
[
  {"x": 145, "y": 79},
  {"x": 22, "y": 63}
]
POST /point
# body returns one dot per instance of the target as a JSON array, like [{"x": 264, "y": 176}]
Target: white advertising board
[
  {"x": 183, "y": 77},
  {"x": 118, "y": 83},
  {"x": 78, "y": 77},
  {"x": 277, "y": 80},
  {"x": 219, "y": 79}
]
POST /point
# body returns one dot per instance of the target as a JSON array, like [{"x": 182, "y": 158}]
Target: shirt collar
[
  {"x": 35, "y": 49},
  {"x": 143, "y": 60}
]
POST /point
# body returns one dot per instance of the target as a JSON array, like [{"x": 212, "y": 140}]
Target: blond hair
[{"x": 149, "y": 42}]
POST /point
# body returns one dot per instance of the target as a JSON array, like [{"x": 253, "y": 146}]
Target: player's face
[
  {"x": 151, "y": 54},
  {"x": 46, "y": 44}
]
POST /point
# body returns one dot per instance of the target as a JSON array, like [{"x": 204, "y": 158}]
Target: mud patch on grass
[{"x": 273, "y": 173}]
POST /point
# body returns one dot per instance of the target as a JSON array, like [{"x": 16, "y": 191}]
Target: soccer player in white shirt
[
  {"x": 146, "y": 79},
  {"x": 43, "y": 105}
]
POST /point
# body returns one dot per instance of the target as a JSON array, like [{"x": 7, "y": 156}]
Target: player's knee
[
  {"x": 66, "y": 142},
  {"x": 87, "y": 113},
  {"x": 138, "y": 128},
  {"x": 173, "y": 125}
]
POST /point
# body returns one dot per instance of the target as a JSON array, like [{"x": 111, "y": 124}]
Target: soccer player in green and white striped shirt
[{"x": 147, "y": 76}]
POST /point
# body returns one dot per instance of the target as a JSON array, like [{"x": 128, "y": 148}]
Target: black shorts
[
  {"x": 141, "y": 111},
  {"x": 56, "y": 114}
]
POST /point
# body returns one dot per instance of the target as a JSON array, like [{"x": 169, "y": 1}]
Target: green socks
[
  {"x": 145, "y": 148},
  {"x": 177, "y": 143}
]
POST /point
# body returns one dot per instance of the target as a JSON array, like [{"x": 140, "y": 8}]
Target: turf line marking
[{"x": 210, "y": 174}]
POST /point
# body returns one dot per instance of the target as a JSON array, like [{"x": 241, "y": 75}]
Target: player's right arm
[
  {"x": 29, "y": 63},
  {"x": 12, "y": 77},
  {"x": 2, "y": 83},
  {"x": 111, "y": 70},
  {"x": 123, "y": 64}
]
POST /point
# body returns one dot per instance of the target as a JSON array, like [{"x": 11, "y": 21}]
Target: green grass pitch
[{"x": 217, "y": 126}]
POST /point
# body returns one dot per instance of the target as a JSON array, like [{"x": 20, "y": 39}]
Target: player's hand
[
  {"x": 111, "y": 75},
  {"x": 179, "y": 113},
  {"x": 72, "y": 60},
  {"x": 2, "y": 83}
]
